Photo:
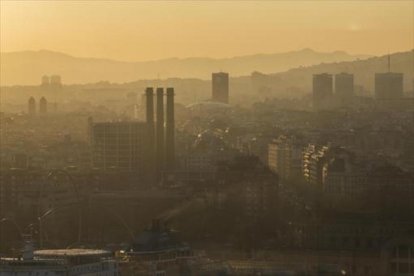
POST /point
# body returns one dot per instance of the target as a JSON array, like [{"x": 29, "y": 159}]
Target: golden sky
[{"x": 141, "y": 30}]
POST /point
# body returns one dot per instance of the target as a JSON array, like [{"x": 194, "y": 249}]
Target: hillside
[{"x": 363, "y": 70}]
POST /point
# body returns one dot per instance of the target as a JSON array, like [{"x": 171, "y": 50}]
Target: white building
[{"x": 74, "y": 262}]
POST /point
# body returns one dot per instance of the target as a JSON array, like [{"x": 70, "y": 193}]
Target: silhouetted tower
[
  {"x": 149, "y": 94},
  {"x": 389, "y": 85},
  {"x": 55, "y": 81},
  {"x": 32, "y": 106},
  {"x": 160, "y": 131},
  {"x": 344, "y": 88},
  {"x": 170, "y": 130},
  {"x": 220, "y": 87},
  {"x": 42, "y": 105},
  {"x": 45, "y": 81},
  {"x": 322, "y": 91}
]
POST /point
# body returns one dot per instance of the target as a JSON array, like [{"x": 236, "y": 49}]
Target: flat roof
[{"x": 71, "y": 252}]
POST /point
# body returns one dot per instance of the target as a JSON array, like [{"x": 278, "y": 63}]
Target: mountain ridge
[{"x": 74, "y": 69}]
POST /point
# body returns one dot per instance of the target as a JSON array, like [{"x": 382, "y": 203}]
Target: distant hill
[
  {"x": 292, "y": 83},
  {"x": 27, "y": 67},
  {"x": 363, "y": 70}
]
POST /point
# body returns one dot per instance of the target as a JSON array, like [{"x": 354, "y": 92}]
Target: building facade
[
  {"x": 121, "y": 145},
  {"x": 220, "y": 86}
]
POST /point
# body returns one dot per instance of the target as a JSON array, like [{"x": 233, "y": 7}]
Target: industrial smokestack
[
  {"x": 160, "y": 131},
  {"x": 149, "y": 94},
  {"x": 170, "y": 130}
]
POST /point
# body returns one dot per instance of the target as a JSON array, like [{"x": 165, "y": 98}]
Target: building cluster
[
  {"x": 335, "y": 92},
  {"x": 145, "y": 149},
  {"x": 263, "y": 176},
  {"x": 32, "y": 109},
  {"x": 52, "y": 82}
]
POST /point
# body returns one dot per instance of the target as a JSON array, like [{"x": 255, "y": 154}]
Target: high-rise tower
[
  {"x": 388, "y": 86},
  {"x": 32, "y": 106},
  {"x": 344, "y": 88},
  {"x": 42, "y": 106},
  {"x": 220, "y": 87},
  {"x": 322, "y": 91}
]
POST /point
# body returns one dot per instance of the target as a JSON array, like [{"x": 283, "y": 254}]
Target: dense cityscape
[{"x": 306, "y": 171}]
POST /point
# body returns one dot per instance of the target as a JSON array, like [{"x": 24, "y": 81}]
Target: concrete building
[
  {"x": 285, "y": 157},
  {"x": 121, "y": 145},
  {"x": 388, "y": 86},
  {"x": 322, "y": 91},
  {"x": 43, "y": 106},
  {"x": 55, "y": 81},
  {"x": 220, "y": 86},
  {"x": 312, "y": 163},
  {"x": 344, "y": 89},
  {"x": 32, "y": 106},
  {"x": 45, "y": 81}
]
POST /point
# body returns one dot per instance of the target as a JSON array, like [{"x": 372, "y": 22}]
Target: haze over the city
[
  {"x": 206, "y": 138},
  {"x": 145, "y": 30}
]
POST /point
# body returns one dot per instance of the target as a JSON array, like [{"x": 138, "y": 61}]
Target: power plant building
[
  {"x": 119, "y": 145},
  {"x": 45, "y": 81},
  {"x": 161, "y": 132},
  {"x": 146, "y": 148},
  {"x": 220, "y": 87}
]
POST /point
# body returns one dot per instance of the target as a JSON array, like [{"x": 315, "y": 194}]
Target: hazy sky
[{"x": 138, "y": 30}]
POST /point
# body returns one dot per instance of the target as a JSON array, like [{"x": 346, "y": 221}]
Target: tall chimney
[
  {"x": 149, "y": 94},
  {"x": 170, "y": 130},
  {"x": 160, "y": 131}
]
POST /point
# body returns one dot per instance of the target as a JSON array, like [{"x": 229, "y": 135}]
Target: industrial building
[
  {"x": 285, "y": 157},
  {"x": 119, "y": 145}
]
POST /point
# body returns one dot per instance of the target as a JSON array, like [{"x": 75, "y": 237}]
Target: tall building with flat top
[
  {"x": 43, "y": 105},
  {"x": 220, "y": 85},
  {"x": 344, "y": 89},
  {"x": 32, "y": 106},
  {"x": 322, "y": 91},
  {"x": 388, "y": 86}
]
